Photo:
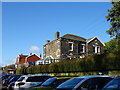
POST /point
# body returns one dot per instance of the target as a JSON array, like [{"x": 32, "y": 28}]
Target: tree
[
  {"x": 111, "y": 46},
  {"x": 114, "y": 18}
]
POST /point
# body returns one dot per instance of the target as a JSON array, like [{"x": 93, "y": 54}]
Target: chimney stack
[
  {"x": 48, "y": 41},
  {"x": 30, "y": 54},
  {"x": 57, "y": 35}
]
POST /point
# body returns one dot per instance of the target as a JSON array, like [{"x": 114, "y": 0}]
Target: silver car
[{"x": 27, "y": 81}]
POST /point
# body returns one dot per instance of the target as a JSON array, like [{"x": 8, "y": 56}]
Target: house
[
  {"x": 72, "y": 46},
  {"x": 21, "y": 59},
  {"x": 26, "y": 60},
  {"x": 44, "y": 61}
]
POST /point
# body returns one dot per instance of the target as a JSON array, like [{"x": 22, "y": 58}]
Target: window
[
  {"x": 44, "y": 52},
  {"x": 21, "y": 78},
  {"x": 70, "y": 84},
  {"x": 95, "y": 83},
  {"x": 37, "y": 79},
  {"x": 96, "y": 49},
  {"x": 70, "y": 46},
  {"x": 82, "y": 49},
  {"x": 113, "y": 85},
  {"x": 58, "y": 44},
  {"x": 48, "y": 82},
  {"x": 93, "y": 49}
]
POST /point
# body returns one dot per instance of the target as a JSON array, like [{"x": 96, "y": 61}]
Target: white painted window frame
[
  {"x": 83, "y": 47},
  {"x": 97, "y": 50},
  {"x": 71, "y": 46}
]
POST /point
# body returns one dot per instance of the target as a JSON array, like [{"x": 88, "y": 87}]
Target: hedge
[{"x": 103, "y": 62}]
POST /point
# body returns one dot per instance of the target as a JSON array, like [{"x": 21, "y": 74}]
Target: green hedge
[
  {"x": 20, "y": 71},
  {"x": 103, "y": 62}
]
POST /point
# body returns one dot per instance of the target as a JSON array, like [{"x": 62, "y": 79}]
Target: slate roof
[{"x": 74, "y": 37}]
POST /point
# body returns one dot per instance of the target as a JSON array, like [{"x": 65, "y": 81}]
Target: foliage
[
  {"x": 112, "y": 45},
  {"x": 6, "y": 68},
  {"x": 114, "y": 18},
  {"x": 103, "y": 62},
  {"x": 20, "y": 71}
]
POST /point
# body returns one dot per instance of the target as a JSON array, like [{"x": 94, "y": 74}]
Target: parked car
[
  {"x": 12, "y": 82},
  {"x": 92, "y": 82},
  {"x": 113, "y": 84},
  {"x": 51, "y": 83},
  {"x": 5, "y": 81},
  {"x": 4, "y": 76},
  {"x": 27, "y": 81}
]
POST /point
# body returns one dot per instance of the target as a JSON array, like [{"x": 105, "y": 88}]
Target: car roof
[
  {"x": 117, "y": 78},
  {"x": 33, "y": 75},
  {"x": 64, "y": 77},
  {"x": 92, "y": 76}
]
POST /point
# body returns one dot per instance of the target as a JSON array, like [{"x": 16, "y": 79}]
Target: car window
[
  {"x": 15, "y": 78},
  {"x": 70, "y": 83},
  {"x": 95, "y": 83},
  {"x": 10, "y": 77},
  {"x": 58, "y": 82},
  {"x": 48, "y": 82},
  {"x": 37, "y": 79},
  {"x": 114, "y": 84},
  {"x": 21, "y": 78}
]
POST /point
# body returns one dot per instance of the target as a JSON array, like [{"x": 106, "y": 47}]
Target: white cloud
[{"x": 34, "y": 49}]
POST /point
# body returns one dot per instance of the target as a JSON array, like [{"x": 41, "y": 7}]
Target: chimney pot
[
  {"x": 48, "y": 41},
  {"x": 30, "y": 53}
]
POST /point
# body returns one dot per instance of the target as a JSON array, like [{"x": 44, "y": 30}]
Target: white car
[{"x": 27, "y": 81}]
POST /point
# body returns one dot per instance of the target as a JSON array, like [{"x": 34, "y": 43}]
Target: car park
[
  {"x": 51, "y": 83},
  {"x": 27, "y": 81},
  {"x": 92, "y": 82},
  {"x": 113, "y": 84}
]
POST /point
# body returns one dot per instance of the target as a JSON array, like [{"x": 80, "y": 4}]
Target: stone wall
[
  {"x": 52, "y": 49},
  {"x": 93, "y": 43},
  {"x": 65, "y": 52}
]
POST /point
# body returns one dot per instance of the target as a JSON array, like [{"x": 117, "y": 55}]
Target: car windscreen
[
  {"x": 10, "y": 77},
  {"x": 70, "y": 83},
  {"x": 113, "y": 84},
  {"x": 48, "y": 82},
  {"x": 15, "y": 78},
  {"x": 59, "y": 81},
  {"x": 21, "y": 78},
  {"x": 5, "y": 76}
]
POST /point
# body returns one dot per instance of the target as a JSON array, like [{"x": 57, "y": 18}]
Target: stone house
[{"x": 72, "y": 46}]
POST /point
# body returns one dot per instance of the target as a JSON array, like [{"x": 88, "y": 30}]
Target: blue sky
[{"x": 27, "y": 25}]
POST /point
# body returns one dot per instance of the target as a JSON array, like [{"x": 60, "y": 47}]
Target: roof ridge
[{"x": 73, "y": 35}]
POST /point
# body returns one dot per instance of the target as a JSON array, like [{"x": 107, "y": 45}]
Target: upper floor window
[
  {"x": 70, "y": 45},
  {"x": 58, "y": 44},
  {"x": 44, "y": 52}
]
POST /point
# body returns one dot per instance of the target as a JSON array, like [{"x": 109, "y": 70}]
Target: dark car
[
  {"x": 92, "y": 82},
  {"x": 6, "y": 81},
  {"x": 12, "y": 81},
  {"x": 113, "y": 84},
  {"x": 4, "y": 76},
  {"x": 51, "y": 83}
]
